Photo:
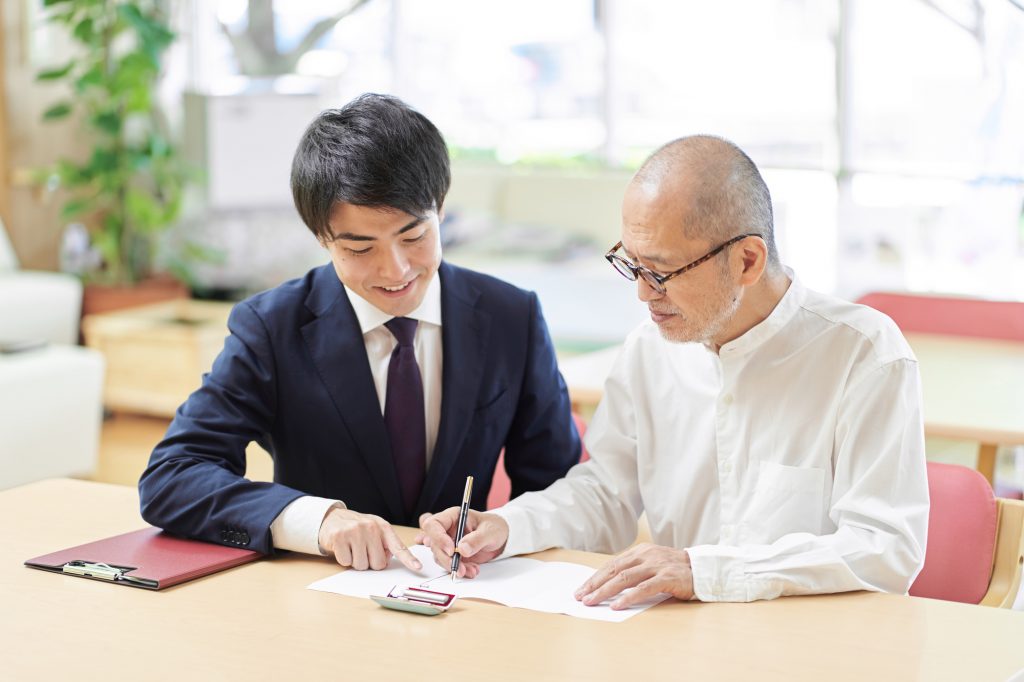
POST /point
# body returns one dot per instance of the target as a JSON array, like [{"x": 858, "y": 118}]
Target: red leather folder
[{"x": 147, "y": 558}]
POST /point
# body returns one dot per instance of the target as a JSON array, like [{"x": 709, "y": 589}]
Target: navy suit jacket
[{"x": 294, "y": 377}]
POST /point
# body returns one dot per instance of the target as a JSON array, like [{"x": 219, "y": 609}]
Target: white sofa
[
  {"x": 50, "y": 396},
  {"x": 34, "y": 305}
]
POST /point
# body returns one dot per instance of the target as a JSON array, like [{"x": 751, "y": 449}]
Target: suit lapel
[
  {"x": 463, "y": 329},
  {"x": 336, "y": 345}
]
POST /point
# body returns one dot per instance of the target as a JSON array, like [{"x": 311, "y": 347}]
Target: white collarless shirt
[
  {"x": 297, "y": 527},
  {"x": 792, "y": 462}
]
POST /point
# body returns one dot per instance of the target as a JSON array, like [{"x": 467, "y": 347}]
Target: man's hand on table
[
  {"x": 363, "y": 541},
  {"x": 650, "y": 569}
]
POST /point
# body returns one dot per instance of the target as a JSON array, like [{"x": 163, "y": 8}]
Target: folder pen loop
[
  {"x": 93, "y": 570},
  {"x": 148, "y": 558},
  {"x": 102, "y": 571}
]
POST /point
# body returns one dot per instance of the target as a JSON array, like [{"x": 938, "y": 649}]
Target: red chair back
[
  {"x": 501, "y": 487},
  {"x": 953, "y": 316},
  {"x": 961, "y": 535}
]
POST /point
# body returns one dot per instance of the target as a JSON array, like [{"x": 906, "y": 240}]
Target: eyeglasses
[{"x": 657, "y": 282}]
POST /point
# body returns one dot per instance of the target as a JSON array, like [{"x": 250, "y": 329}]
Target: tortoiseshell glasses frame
[{"x": 632, "y": 271}]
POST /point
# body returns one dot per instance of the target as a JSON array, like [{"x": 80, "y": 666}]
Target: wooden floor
[{"x": 127, "y": 440}]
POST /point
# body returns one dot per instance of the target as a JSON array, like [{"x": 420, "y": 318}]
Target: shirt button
[
  {"x": 727, "y": 398},
  {"x": 725, "y": 468}
]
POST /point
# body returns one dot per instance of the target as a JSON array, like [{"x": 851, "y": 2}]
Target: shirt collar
[
  {"x": 783, "y": 312},
  {"x": 370, "y": 316}
]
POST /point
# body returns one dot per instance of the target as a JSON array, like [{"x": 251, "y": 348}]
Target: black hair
[{"x": 375, "y": 151}]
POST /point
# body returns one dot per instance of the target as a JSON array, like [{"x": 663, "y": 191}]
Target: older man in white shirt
[{"x": 772, "y": 434}]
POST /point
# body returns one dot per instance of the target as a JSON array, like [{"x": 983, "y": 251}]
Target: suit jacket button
[{"x": 244, "y": 538}]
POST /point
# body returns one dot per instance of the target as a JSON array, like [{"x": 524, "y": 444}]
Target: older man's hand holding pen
[
  {"x": 640, "y": 572},
  {"x": 484, "y": 539}
]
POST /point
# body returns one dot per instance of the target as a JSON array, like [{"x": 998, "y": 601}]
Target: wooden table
[
  {"x": 973, "y": 389},
  {"x": 259, "y": 622}
]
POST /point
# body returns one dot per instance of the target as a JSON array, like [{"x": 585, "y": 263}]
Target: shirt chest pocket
[{"x": 786, "y": 499}]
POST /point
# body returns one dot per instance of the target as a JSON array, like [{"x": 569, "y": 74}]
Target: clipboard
[{"x": 147, "y": 558}]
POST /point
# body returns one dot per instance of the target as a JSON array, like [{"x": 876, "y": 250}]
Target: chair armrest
[{"x": 1009, "y": 555}]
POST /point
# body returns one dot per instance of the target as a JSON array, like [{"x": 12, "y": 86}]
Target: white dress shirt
[
  {"x": 792, "y": 462},
  {"x": 297, "y": 527}
]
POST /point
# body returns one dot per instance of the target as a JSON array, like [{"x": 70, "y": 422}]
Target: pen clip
[{"x": 467, "y": 496}]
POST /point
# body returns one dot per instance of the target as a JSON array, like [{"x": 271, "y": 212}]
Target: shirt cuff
[
  {"x": 718, "y": 574},
  {"x": 519, "y": 541},
  {"x": 297, "y": 527}
]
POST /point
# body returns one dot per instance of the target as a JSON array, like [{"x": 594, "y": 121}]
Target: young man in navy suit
[{"x": 377, "y": 382}]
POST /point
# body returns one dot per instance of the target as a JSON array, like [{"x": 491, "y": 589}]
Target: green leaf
[
  {"x": 144, "y": 211},
  {"x": 91, "y": 78},
  {"x": 103, "y": 161},
  {"x": 140, "y": 62},
  {"x": 201, "y": 252},
  {"x": 70, "y": 174},
  {"x": 137, "y": 71},
  {"x": 137, "y": 99},
  {"x": 150, "y": 23},
  {"x": 172, "y": 209},
  {"x": 51, "y": 3},
  {"x": 130, "y": 13},
  {"x": 153, "y": 33},
  {"x": 84, "y": 31},
  {"x": 108, "y": 121},
  {"x": 107, "y": 241},
  {"x": 75, "y": 207},
  {"x": 55, "y": 74},
  {"x": 163, "y": 36},
  {"x": 57, "y": 111}
]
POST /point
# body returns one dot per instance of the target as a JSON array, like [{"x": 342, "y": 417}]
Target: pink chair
[
  {"x": 501, "y": 487},
  {"x": 973, "y": 317},
  {"x": 962, "y": 527},
  {"x": 967, "y": 317}
]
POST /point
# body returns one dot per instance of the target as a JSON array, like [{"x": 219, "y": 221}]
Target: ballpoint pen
[{"x": 463, "y": 513}]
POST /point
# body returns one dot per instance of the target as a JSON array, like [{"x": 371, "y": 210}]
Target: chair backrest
[
  {"x": 501, "y": 486},
  {"x": 961, "y": 535},
  {"x": 949, "y": 315}
]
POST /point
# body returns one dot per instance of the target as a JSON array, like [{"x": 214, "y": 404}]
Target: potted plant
[{"x": 130, "y": 185}]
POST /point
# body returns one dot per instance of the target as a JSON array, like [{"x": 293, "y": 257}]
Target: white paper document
[{"x": 522, "y": 583}]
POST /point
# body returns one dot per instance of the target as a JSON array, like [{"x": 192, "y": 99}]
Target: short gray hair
[{"x": 729, "y": 195}]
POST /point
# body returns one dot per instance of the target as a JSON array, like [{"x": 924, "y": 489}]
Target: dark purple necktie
[{"x": 404, "y": 412}]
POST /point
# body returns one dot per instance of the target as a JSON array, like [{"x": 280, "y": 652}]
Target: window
[{"x": 891, "y": 133}]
